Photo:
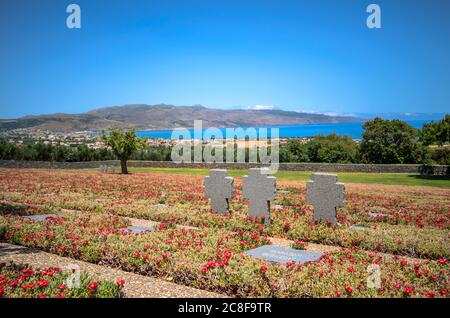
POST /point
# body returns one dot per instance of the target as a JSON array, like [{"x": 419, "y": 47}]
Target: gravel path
[{"x": 136, "y": 286}]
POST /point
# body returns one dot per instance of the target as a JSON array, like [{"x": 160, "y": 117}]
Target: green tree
[
  {"x": 123, "y": 144},
  {"x": 293, "y": 151},
  {"x": 440, "y": 156},
  {"x": 332, "y": 149},
  {"x": 389, "y": 141},
  {"x": 436, "y": 132},
  {"x": 60, "y": 153}
]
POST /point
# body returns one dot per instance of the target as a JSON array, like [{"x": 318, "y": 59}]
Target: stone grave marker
[
  {"x": 277, "y": 254},
  {"x": 260, "y": 189},
  {"x": 219, "y": 188},
  {"x": 325, "y": 194},
  {"x": 39, "y": 217},
  {"x": 137, "y": 229},
  {"x": 378, "y": 214},
  {"x": 359, "y": 228}
]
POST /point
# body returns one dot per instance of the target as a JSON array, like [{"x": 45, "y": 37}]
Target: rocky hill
[{"x": 153, "y": 117}]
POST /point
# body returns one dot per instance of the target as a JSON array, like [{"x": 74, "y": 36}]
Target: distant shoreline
[
  {"x": 351, "y": 129},
  {"x": 245, "y": 127}
]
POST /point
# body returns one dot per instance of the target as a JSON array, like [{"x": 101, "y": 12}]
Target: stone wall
[
  {"x": 375, "y": 168},
  {"x": 55, "y": 165}
]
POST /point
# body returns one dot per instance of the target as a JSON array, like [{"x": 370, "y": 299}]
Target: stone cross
[
  {"x": 219, "y": 188},
  {"x": 325, "y": 194},
  {"x": 260, "y": 189}
]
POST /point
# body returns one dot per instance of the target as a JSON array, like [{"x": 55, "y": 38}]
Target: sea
[{"x": 354, "y": 130}]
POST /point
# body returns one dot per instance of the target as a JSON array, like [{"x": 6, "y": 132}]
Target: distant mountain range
[{"x": 162, "y": 116}]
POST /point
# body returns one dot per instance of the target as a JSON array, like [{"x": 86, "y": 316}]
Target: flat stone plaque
[
  {"x": 39, "y": 217},
  {"x": 159, "y": 206},
  {"x": 138, "y": 229},
  {"x": 376, "y": 215},
  {"x": 277, "y": 254},
  {"x": 359, "y": 228}
]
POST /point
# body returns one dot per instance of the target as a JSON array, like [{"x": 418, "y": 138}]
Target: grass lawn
[{"x": 351, "y": 177}]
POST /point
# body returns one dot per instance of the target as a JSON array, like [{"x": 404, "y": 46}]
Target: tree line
[{"x": 383, "y": 142}]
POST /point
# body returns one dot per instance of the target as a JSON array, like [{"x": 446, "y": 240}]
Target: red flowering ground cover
[
  {"x": 18, "y": 281},
  {"x": 213, "y": 259},
  {"x": 412, "y": 221},
  {"x": 212, "y": 256}
]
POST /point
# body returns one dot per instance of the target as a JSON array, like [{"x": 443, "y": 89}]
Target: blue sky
[{"x": 312, "y": 55}]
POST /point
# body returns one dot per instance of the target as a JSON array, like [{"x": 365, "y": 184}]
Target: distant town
[
  {"x": 21, "y": 135},
  {"x": 92, "y": 139}
]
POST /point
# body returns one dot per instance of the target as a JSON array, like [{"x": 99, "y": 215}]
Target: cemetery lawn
[
  {"x": 351, "y": 177},
  {"x": 397, "y": 223}
]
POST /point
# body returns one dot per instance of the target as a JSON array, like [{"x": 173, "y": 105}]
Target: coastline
[{"x": 351, "y": 129}]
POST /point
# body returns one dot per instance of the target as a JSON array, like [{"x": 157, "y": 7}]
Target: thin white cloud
[
  {"x": 308, "y": 111},
  {"x": 326, "y": 113},
  {"x": 262, "y": 107}
]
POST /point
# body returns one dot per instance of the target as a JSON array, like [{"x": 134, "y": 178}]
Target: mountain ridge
[{"x": 165, "y": 116}]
